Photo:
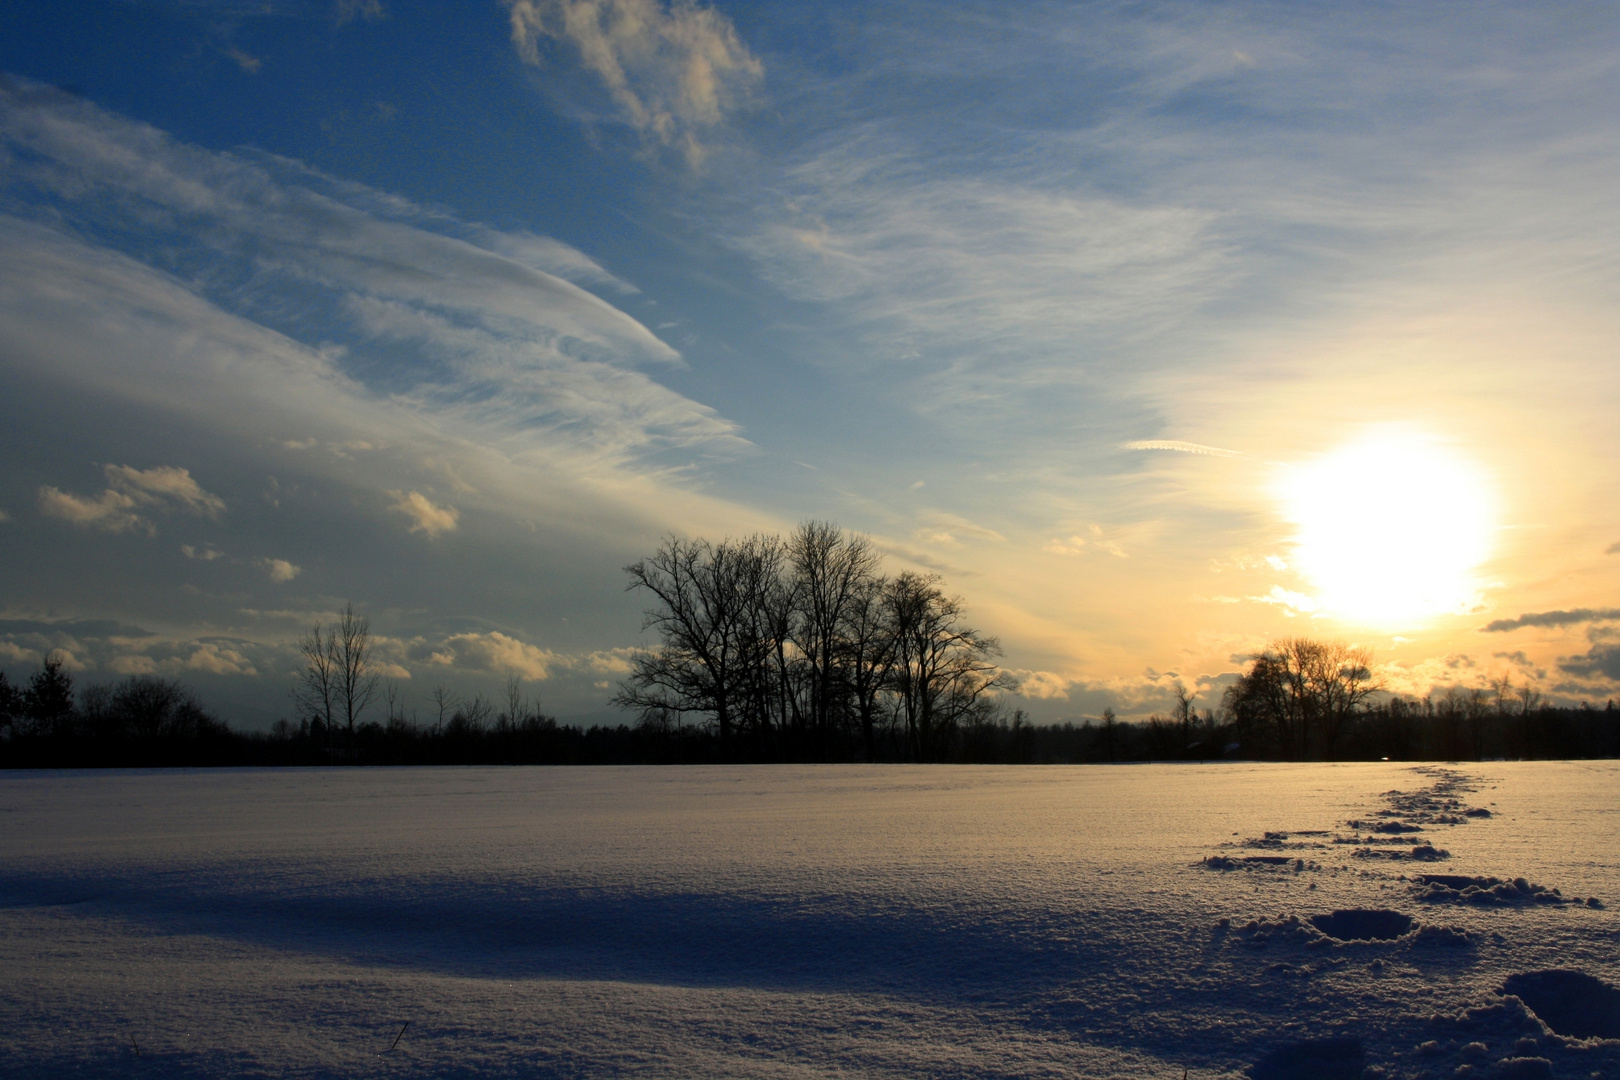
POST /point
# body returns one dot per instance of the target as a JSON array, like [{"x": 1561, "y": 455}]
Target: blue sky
[{"x": 453, "y": 310}]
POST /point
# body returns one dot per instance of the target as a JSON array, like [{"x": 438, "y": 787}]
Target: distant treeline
[
  {"x": 146, "y": 721},
  {"x": 793, "y": 649}
]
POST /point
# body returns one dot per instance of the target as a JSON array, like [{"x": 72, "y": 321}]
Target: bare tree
[
  {"x": 942, "y": 668},
  {"x": 1186, "y": 717},
  {"x": 356, "y": 677},
  {"x": 707, "y": 611},
  {"x": 829, "y": 569},
  {"x": 868, "y": 645},
  {"x": 316, "y": 693},
  {"x": 1303, "y": 692},
  {"x": 444, "y": 703},
  {"x": 513, "y": 716}
]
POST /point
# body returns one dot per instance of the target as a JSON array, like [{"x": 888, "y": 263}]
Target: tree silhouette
[{"x": 1300, "y": 694}]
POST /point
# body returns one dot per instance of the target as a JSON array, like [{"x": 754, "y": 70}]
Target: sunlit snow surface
[{"x": 785, "y": 921}]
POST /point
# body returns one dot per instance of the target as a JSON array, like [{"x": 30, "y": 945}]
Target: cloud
[
  {"x": 217, "y": 660},
  {"x": 206, "y": 553},
  {"x": 495, "y": 653},
  {"x": 347, "y": 11},
  {"x": 1552, "y": 618},
  {"x": 1601, "y": 660},
  {"x": 952, "y": 268},
  {"x": 170, "y": 483},
  {"x": 249, "y": 64},
  {"x": 1179, "y": 447},
  {"x": 1287, "y": 599},
  {"x": 1612, "y": 549},
  {"x": 16, "y": 653},
  {"x": 111, "y": 511},
  {"x": 1041, "y": 685},
  {"x": 950, "y": 525},
  {"x": 114, "y": 509},
  {"x": 280, "y": 570},
  {"x": 608, "y": 661},
  {"x": 426, "y": 517},
  {"x": 1080, "y": 545},
  {"x": 674, "y": 72},
  {"x": 480, "y": 340},
  {"x": 139, "y": 653},
  {"x": 132, "y": 664}
]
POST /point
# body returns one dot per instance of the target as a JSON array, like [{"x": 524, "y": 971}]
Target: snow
[{"x": 1247, "y": 920}]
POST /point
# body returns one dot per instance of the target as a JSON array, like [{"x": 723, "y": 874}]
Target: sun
[{"x": 1390, "y": 528}]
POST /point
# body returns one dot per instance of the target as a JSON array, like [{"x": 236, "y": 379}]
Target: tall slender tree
[{"x": 357, "y": 677}]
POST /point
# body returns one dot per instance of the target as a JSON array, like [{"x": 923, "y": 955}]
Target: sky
[{"x": 1160, "y": 332}]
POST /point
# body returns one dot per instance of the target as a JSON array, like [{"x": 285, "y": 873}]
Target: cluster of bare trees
[
  {"x": 339, "y": 679},
  {"x": 1301, "y": 696},
  {"x": 801, "y": 648}
]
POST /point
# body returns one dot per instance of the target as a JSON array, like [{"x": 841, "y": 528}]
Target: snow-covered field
[{"x": 835, "y": 921}]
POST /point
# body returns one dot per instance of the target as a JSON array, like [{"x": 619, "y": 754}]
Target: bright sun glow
[{"x": 1390, "y": 528}]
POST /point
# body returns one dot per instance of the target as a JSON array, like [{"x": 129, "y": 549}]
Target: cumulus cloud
[
  {"x": 114, "y": 510},
  {"x": 1041, "y": 685},
  {"x": 1552, "y": 618},
  {"x": 219, "y": 660},
  {"x": 495, "y": 653},
  {"x": 18, "y": 654},
  {"x": 166, "y": 483},
  {"x": 132, "y": 664},
  {"x": 608, "y": 661},
  {"x": 425, "y": 516},
  {"x": 280, "y": 570},
  {"x": 674, "y": 72}
]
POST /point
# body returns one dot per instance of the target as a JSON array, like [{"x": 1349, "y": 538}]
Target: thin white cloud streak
[
  {"x": 1177, "y": 446},
  {"x": 674, "y": 72}
]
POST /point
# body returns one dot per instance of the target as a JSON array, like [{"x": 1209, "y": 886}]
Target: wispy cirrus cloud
[
  {"x": 465, "y": 314},
  {"x": 673, "y": 71}
]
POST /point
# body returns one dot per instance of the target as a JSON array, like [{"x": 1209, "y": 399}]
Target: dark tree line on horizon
[{"x": 793, "y": 650}]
